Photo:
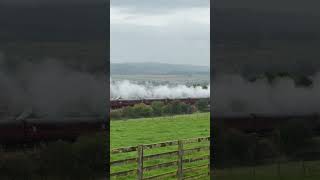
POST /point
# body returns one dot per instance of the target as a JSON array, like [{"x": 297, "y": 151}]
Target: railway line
[
  {"x": 32, "y": 130},
  {"x": 119, "y": 103},
  {"x": 264, "y": 123}
]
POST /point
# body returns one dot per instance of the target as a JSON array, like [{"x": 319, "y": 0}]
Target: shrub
[
  {"x": 18, "y": 166},
  {"x": 186, "y": 108},
  {"x": 239, "y": 146},
  {"x": 85, "y": 159},
  {"x": 128, "y": 112},
  {"x": 90, "y": 153},
  {"x": 265, "y": 149},
  {"x": 142, "y": 110},
  {"x": 57, "y": 158},
  {"x": 116, "y": 114},
  {"x": 157, "y": 107},
  {"x": 202, "y": 105},
  {"x": 293, "y": 136},
  {"x": 193, "y": 109},
  {"x": 176, "y": 107},
  {"x": 168, "y": 109}
]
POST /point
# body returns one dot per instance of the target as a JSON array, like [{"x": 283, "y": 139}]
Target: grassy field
[
  {"x": 154, "y": 130},
  {"x": 310, "y": 170},
  {"x": 81, "y": 160}
]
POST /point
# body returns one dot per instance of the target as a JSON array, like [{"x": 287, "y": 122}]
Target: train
[
  {"x": 121, "y": 103},
  {"x": 263, "y": 123},
  {"x": 36, "y": 130},
  {"x": 29, "y": 129}
]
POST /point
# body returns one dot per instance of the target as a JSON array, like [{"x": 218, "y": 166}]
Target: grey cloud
[
  {"x": 159, "y": 6},
  {"x": 183, "y": 43},
  {"x": 147, "y": 44}
]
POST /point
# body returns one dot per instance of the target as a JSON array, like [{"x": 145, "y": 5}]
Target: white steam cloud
[
  {"x": 234, "y": 94},
  {"x": 51, "y": 89},
  {"x": 129, "y": 90}
]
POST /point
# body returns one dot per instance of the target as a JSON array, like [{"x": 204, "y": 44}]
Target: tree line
[{"x": 158, "y": 108}]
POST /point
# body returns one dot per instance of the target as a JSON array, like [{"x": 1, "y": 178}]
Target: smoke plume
[
  {"x": 51, "y": 89},
  {"x": 234, "y": 94},
  {"x": 129, "y": 90}
]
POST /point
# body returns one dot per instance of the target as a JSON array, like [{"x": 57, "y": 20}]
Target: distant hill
[{"x": 156, "y": 68}]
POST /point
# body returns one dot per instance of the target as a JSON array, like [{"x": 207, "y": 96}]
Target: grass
[
  {"x": 288, "y": 171},
  {"x": 48, "y": 161},
  {"x": 133, "y": 132},
  {"x": 152, "y": 130}
]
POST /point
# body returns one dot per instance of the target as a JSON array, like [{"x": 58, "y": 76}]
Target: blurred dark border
[{"x": 212, "y": 86}]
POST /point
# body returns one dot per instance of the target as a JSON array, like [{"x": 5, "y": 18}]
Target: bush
[
  {"x": 239, "y": 146},
  {"x": 85, "y": 159},
  {"x": 142, "y": 110},
  {"x": 128, "y": 112},
  {"x": 265, "y": 149},
  {"x": 116, "y": 114},
  {"x": 202, "y": 105},
  {"x": 168, "y": 109},
  {"x": 185, "y": 108},
  {"x": 18, "y": 166},
  {"x": 57, "y": 158},
  {"x": 90, "y": 155},
  {"x": 293, "y": 136},
  {"x": 157, "y": 107},
  {"x": 176, "y": 107},
  {"x": 193, "y": 109}
]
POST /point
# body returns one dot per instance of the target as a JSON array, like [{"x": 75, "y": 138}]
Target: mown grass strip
[
  {"x": 162, "y": 176},
  {"x": 197, "y": 149},
  {"x": 161, "y": 165},
  {"x": 124, "y": 161},
  {"x": 190, "y": 160},
  {"x": 198, "y": 176},
  {"x": 124, "y": 150},
  {"x": 160, "y": 155},
  {"x": 195, "y": 168},
  {"x": 124, "y": 173}
]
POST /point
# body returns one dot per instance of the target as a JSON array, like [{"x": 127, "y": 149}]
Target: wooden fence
[{"x": 198, "y": 145}]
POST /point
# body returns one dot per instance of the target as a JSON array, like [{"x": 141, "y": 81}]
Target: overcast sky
[{"x": 166, "y": 31}]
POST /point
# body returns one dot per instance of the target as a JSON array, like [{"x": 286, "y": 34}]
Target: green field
[
  {"x": 309, "y": 170},
  {"x": 125, "y": 133},
  {"x": 133, "y": 132}
]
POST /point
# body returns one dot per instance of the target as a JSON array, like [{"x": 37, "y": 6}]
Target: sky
[{"x": 164, "y": 31}]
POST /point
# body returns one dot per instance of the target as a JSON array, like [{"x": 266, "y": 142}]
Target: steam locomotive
[
  {"x": 33, "y": 130},
  {"x": 120, "y": 103}
]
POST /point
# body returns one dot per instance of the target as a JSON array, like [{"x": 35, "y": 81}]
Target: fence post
[
  {"x": 140, "y": 162},
  {"x": 180, "y": 160},
  {"x": 303, "y": 169},
  {"x": 279, "y": 168}
]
